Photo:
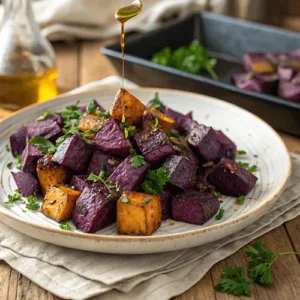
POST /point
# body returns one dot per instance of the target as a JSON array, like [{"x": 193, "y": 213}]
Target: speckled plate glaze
[{"x": 262, "y": 144}]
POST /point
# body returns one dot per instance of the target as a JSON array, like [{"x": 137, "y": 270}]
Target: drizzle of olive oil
[
  {"x": 20, "y": 90},
  {"x": 123, "y": 15}
]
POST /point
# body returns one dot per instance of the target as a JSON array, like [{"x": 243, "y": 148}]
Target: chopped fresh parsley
[
  {"x": 15, "y": 196},
  {"x": 218, "y": 194},
  {"x": 155, "y": 102},
  {"x": 43, "y": 144},
  {"x": 243, "y": 164},
  {"x": 234, "y": 281},
  {"x": 173, "y": 133},
  {"x": 32, "y": 203},
  {"x": 92, "y": 107},
  {"x": 193, "y": 59},
  {"x": 240, "y": 199},
  {"x": 10, "y": 165},
  {"x": 46, "y": 114},
  {"x": 129, "y": 130},
  {"x": 125, "y": 199},
  {"x": 136, "y": 160},
  {"x": 220, "y": 214},
  {"x": 201, "y": 187},
  {"x": 65, "y": 226},
  {"x": 155, "y": 181},
  {"x": 146, "y": 200},
  {"x": 18, "y": 162},
  {"x": 105, "y": 114},
  {"x": 252, "y": 168},
  {"x": 241, "y": 152},
  {"x": 7, "y": 148}
]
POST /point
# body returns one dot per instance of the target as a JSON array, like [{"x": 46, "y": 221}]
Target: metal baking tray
[{"x": 227, "y": 39}]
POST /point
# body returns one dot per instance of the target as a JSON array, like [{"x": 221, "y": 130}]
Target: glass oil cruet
[{"x": 27, "y": 60}]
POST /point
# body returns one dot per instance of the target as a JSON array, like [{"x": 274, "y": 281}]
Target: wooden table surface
[{"x": 79, "y": 63}]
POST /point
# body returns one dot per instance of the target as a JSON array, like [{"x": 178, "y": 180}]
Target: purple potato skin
[
  {"x": 98, "y": 159},
  {"x": 46, "y": 128},
  {"x": 73, "y": 153},
  {"x": 27, "y": 184},
  {"x": 175, "y": 115},
  {"x": 285, "y": 74},
  {"x": 231, "y": 179},
  {"x": 186, "y": 151},
  {"x": 111, "y": 139},
  {"x": 165, "y": 200},
  {"x": 228, "y": 147},
  {"x": 128, "y": 177},
  {"x": 201, "y": 177},
  {"x": 83, "y": 108},
  {"x": 186, "y": 125},
  {"x": 18, "y": 141},
  {"x": 93, "y": 210},
  {"x": 205, "y": 141},
  {"x": 80, "y": 182},
  {"x": 289, "y": 91},
  {"x": 57, "y": 118},
  {"x": 30, "y": 157},
  {"x": 182, "y": 171},
  {"x": 154, "y": 145},
  {"x": 194, "y": 207}
]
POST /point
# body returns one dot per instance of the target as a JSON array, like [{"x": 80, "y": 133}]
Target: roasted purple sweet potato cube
[
  {"x": 27, "y": 184},
  {"x": 18, "y": 141},
  {"x": 186, "y": 125},
  {"x": 94, "y": 210},
  {"x": 46, "y": 128},
  {"x": 80, "y": 182},
  {"x": 194, "y": 207},
  {"x": 128, "y": 177},
  {"x": 57, "y": 118},
  {"x": 289, "y": 91},
  {"x": 73, "y": 153},
  {"x": 154, "y": 145},
  {"x": 205, "y": 142},
  {"x": 231, "y": 179},
  {"x": 175, "y": 115},
  {"x": 165, "y": 200},
  {"x": 30, "y": 157},
  {"x": 201, "y": 178},
  {"x": 111, "y": 139},
  {"x": 182, "y": 171},
  {"x": 228, "y": 147},
  {"x": 83, "y": 108},
  {"x": 285, "y": 74},
  {"x": 98, "y": 159}
]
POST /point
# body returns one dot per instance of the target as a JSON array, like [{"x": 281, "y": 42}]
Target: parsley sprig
[
  {"x": 43, "y": 144},
  {"x": 129, "y": 130},
  {"x": 247, "y": 166},
  {"x": 12, "y": 198},
  {"x": 46, "y": 114},
  {"x": 155, "y": 181},
  {"x": 156, "y": 103},
  {"x": 136, "y": 160},
  {"x": 32, "y": 203},
  {"x": 234, "y": 279},
  {"x": 220, "y": 214},
  {"x": 65, "y": 226}
]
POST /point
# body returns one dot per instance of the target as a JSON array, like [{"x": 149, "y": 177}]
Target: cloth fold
[{"x": 74, "y": 274}]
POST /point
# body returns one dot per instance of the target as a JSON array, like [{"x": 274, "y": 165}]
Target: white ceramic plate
[{"x": 262, "y": 144}]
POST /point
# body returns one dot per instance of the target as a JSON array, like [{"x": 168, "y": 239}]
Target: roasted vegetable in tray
[
  {"x": 271, "y": 73},
  {"x": 136, "y": 165}
]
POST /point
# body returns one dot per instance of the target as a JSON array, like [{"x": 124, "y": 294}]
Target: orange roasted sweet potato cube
[
  {"x": 138, "y": 213},
  {"x": 127, "y": 105},
  {"x": 59, "y": 202},
  {"x": 91, "y": 122},
  {"x": 50, "y": 173},
  {"x": 166, "y": 123}
]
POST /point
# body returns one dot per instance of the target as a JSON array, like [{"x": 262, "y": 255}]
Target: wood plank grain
[
  {"x": 203, "y": 290},
  {"x": 94, "y": 65},
  {"x": 292, "y": 142},
  {"x": 286, "y": 270}
]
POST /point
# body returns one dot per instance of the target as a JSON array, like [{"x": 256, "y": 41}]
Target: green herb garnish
[
  {"x": 241, "y": 152},
  {"x": 46, "y": 114},
  {"x": 193, "y": 58},
  {"x": 32, "y": 203},
  {"x": 125, "y": 200},
  {"x": 240, "y": 199},
  {"x": 201, "y": 187},
  {"x": 136, "y": 160},
  {"x": 92, "y": 107},
  {"x": 155, "y": 181},
  {"x": 43, "y": 144},
  {"x": 15, "y": 196},
  {"x": 129, "y": 130},
  {"x": 10, "y": 165},
  {"x": 243, "y": 164},
  {"x": 65, "y": 226},
  {"x": 220, "y": 214},
  {"x": 173, "y": 133},
  {"x": 155, "y": 102},
  {"x": 146, "y": 200},
  {"x": 7, "y": 148},
  {"x": 252, "y": 168},
  {"x": 105, "y": 114},
  {"x": 18, "y": 162},
  {"x": 218, "y": 194},
  {"x": 234, "y": 281}
]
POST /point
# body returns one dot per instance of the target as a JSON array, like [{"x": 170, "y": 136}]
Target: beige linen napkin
[{"x": 74, "y": 274}]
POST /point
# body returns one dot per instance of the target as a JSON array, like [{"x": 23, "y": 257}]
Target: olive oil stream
[{"x": 123, "y": 15}]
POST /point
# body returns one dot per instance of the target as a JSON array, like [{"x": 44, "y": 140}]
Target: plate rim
[{"x": 127, "y": 238}]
